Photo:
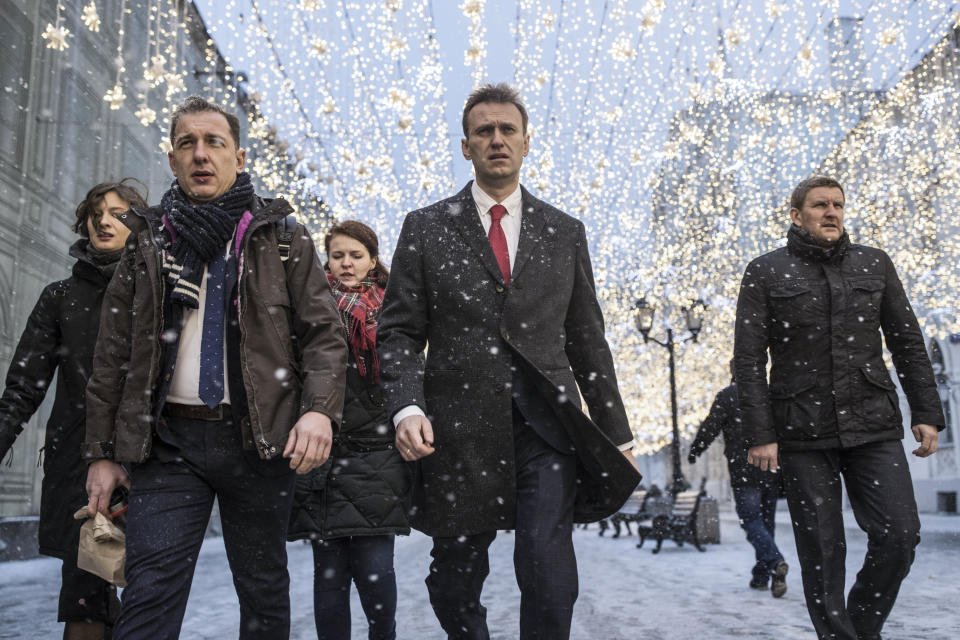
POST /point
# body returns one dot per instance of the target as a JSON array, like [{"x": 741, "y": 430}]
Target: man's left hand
[
  {"x": 926, "y": 435},
  {"x": 308, "y": 445}
]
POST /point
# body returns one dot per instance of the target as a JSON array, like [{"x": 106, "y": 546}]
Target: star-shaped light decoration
[
  {"x": 775, "y": 9},
  {"x": 309, "y": 5},
  {"x": 889, "y": 36},
  {"x": 145, "y": 114},
  {"x": 91, "y": 18},
  {"x": 175, "y": 83},
  {"x": 155, "y": 73},
  {"x": 56, "y": 37},
  {"x": 115, "y": 97},
  {"x": 318, "y": 48}
]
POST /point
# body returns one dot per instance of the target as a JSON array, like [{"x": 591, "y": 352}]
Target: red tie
[{"x": 498, "y": 241}]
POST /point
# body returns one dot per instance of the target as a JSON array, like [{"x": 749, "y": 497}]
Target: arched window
[{"x": 943, "y": 388}]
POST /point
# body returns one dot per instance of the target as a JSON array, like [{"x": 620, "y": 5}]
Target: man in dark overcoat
[
  {"x": 498, "y": 285},
  {"x": 831, "y": 410}
]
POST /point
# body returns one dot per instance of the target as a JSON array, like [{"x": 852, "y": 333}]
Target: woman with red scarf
[{"x": 352, "y": 506}]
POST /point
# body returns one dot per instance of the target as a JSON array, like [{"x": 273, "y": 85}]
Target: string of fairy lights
[{"x": 675, "y": 131}]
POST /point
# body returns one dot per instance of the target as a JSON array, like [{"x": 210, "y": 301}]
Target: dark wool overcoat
[
  {"x": 446, "y": 295},
  {"x": 59, "y": 337},
  {"x": 820, "y": 314}
]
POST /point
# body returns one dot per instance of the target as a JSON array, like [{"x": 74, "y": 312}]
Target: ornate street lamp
[{"x": 694, "y": 318}]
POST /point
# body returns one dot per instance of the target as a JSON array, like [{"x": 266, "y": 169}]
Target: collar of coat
[
  {"x": 801, "y": 243},
  {"x": 463, "y": 210}
]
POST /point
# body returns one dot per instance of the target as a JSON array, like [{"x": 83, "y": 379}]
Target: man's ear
[
  {"x": 241, "y": 159},
  {"x": 795, "y": 216},
  {"x": 464, "y": 148}
]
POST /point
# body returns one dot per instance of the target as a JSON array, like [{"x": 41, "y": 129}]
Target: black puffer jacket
[
  {"x": 820, "y": 314},
  {"x": 364, "y": 488},
  {"x": 61, "y": 332},
  {"x": 724, "y": 417}
]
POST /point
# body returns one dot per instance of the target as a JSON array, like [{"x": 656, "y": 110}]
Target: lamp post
[{"x": 694, "y": 317}]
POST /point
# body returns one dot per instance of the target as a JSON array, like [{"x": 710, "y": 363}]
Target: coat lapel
[
  {"x": 468, "y": 224},
  {"x": 532, "y": 220}
]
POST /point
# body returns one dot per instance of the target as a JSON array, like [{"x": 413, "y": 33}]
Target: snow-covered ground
[{"x": 625, "y": 592}]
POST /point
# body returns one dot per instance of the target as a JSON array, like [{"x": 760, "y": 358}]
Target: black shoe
[
  {"x": 760, "y": 584},
  {"x": 778, "y": 586}
]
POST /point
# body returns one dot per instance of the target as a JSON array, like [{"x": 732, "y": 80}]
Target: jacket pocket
[
  {"x": 796, "y": 304},
  {"x": 276, "y": 303},
  {"x": 796, "y": 408},
  {"x": 876, "y": 396},
  {"x": 866, "y": 298}
]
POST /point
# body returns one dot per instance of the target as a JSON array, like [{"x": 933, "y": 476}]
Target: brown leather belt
[{"x": 197, "y": 411}]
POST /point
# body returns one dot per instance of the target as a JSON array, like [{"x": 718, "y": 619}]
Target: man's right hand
[
  {"x": 103, "y": 476},
  {"x": 414, "y": 437},
  {"x": 764, "y": 456}
]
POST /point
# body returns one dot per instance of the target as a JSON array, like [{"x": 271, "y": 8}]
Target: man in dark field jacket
[
  {"x": 831, "y": 410},
  {"x": 223, "y": 373}
]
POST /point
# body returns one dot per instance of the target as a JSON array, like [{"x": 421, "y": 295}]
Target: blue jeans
[
  {"x": 366, "y": 560},
  {"x": 756, "y": 507}
]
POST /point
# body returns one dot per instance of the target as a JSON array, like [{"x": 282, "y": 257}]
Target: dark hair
[
  {"x": 799, "y": 194},
  {"x": 196, "y": 104},
  {"x": 91, "y": 202},
  {"x": 365, "y": 236},
  {"x": 501, "y": 93}
]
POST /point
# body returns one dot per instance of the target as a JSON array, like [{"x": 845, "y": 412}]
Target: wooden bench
[
  {"x": 633, "y": 510},
  {"x": 680, "y": 525}
]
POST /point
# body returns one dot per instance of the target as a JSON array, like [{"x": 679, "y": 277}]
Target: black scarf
[
  {"x": 802, "y": 243},
  {"x": 201, "y": 231},
  {"x": 103, "y": 261}
]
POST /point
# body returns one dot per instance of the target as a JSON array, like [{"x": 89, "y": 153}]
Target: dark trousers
[
  {"x": 881, "y": 494},
  {"x": 543, "y": 555},
  {"x": 366, "y": 560},
  {"x": 170, "y": 503},
  {"x": 756, "y": 508}
]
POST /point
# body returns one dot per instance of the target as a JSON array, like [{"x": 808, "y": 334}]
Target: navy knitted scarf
[{"x": 201, "y": 230}]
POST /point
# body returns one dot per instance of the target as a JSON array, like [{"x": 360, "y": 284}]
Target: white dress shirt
[
  {"x": 185, "y": 383},
  {"x": 510, "y": 223}
]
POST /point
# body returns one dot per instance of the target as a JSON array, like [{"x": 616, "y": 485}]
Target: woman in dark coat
[
  {"x": 60, "y": 335},
  {"x": 352, "y": 507}
]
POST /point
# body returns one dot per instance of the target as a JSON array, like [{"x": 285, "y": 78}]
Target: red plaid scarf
[{"x": 359, "y": 311}]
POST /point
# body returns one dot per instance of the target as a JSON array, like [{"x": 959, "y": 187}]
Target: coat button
[
  {"x": 499, "y": 387},
  {"x": 499, "y": 288}
]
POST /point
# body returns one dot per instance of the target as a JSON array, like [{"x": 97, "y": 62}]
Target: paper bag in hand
[{"x": 102, "y": 547}]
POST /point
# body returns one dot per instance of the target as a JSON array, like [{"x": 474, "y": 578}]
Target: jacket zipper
[
  {"x": 267, "y": 451},
  {"x": 154, "y": 361}
]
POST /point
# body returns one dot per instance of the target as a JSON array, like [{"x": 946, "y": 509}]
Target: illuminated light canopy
[{"x": 674, "y": 130}]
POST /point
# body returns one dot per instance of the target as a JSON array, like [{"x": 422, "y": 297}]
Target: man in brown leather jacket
[
  {"x": 831, "y": 410},
  {"x": 222, "y": 375}
]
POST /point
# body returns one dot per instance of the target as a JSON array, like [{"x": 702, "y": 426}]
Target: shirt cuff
[
  {"x": 409, "y": 410},
  {"x": 626, "y": 446}
]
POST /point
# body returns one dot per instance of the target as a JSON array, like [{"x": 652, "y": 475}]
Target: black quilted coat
[{"x": 364, "y": 488}]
